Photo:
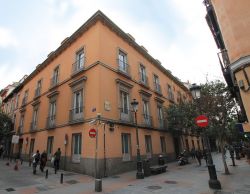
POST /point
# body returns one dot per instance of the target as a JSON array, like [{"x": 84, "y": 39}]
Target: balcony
[
  {"x": 33, "y": 126},
  {"x": 37, "y": 92},
  {"x": 147, "y": 120},
  {"x": 158, "y": 88},
  {"x": 126, "y": 115},
  {"x": 123, "y": 68},
  {"x": 78, "y": 66},
  {"x": 51, "y": 122},
  {"x": 143, "y": 80},
  {"x": 76, "y": 115},
  {"x": 54, "y": 81}
]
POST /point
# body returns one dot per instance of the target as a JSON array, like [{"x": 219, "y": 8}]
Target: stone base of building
[{"x": 113, "y": 165}]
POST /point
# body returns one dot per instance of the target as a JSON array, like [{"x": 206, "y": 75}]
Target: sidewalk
[{"x": 189, "y": 179}]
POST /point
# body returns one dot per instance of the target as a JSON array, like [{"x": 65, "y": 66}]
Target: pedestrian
[
  {"x": 198, "y": 156},
  {"x": 36, "y": 159},
  {"x": 1, "y": 151},
  {"x": 57, "y": 159},
  {"x": 205, "y": 155},
  {"x": 43, "y": 160},
  {"x": 193, "y": 152}
]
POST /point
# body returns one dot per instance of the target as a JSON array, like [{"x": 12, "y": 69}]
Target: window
[
  {"x": 170, "y": 93},
  {"x": 146, "y": 116},
  {"x": 143, "y": 76},
  {"x": 21, "y": 124},
  {"x": 34, "y": 119},
  {"x": 76, "y": 147},
  {"x": 179, "y": 100},
  {"x": 52, "y": 114},
  {"x": 50, "y": 146},
  {"x": 157, "y": 84},
  {"x": 78, "y": 102},
  {"x": 14, "y": 121},
  {"x": 148, "y": 144},
  {"x": 17, "y": 98},
  {"x": 126, "y": 147},
  {"x": 25, "y": 97},
  {"x": 122, "y": 60},
  {"x": 124, "y": 101},
  {"x": 160, "y": 116},
  {"x": 55, "y": 78},
  {"x": 32, "y": 143},
  {"x": 79, "y": 59},
  {"x": 38, "y": 88},
  {"x": 163, "y": 144}
]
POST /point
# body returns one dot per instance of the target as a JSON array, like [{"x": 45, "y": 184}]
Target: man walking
[
  {"x": 198, "y": 156},
  {"x": 57, "y": 159}
]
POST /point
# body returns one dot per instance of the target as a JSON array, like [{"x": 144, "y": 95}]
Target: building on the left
[{"x": 95, "y": 75}]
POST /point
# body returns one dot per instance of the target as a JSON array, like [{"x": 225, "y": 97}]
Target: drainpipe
[{"x": 104, "y": 146}]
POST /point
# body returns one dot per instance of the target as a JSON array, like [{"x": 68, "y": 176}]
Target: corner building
[
  {"x": 99, "y": 69},
  {"x": 229, "y": 22}
]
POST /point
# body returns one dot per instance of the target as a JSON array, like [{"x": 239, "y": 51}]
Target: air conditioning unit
[{"x": 241, "y": 84}]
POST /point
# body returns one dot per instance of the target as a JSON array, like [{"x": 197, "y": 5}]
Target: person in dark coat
[
  {"x": 43, "y": 160},
  {"x": 57, "y": 156},
  {"x": 198, "y": 156}
]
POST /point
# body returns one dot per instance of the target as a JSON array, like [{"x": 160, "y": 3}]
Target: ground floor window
[
  {"x": 126, "y": 147},
  {"x": 32, "y": 143},
  {"x": 163, "y": 144},
  {"x": 50, "y": 146},
  {"x": 148, "y": 144},
  {"x": 76, "y": 147}
]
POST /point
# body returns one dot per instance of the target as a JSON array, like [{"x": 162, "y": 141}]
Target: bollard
[
  {"x": 61, "y": 181},
  {"x": 30, "y": 163},
  {"x": 46, "y": 173},
  {"x": 55, "y": 170},
  {"x": 98, "y": 185}
]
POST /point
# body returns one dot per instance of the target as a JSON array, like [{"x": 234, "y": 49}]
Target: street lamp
[
  {"x": 139, "y": 173},
  {"x": 213, "y": 182}
]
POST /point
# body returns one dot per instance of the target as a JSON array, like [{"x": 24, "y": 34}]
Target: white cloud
[{"x": 7, "y": 38}]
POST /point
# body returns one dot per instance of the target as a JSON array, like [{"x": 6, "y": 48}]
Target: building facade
[
  {"x": 229, "y": 23},
  {"x": 88, "y": 82}
]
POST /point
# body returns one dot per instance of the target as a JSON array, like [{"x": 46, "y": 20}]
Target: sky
[{"x": 173, "y": 31}]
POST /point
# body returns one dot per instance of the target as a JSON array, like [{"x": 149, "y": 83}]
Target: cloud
[{"x": 7, "y": 38}]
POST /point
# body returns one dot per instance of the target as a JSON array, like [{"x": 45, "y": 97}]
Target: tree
[
  {"x": 6, "y": 126},
  {"x": 217, "y": 104}
]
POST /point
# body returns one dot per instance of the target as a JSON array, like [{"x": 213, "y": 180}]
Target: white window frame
[
  {"x": 163, "y": 144},
  {"x": 50, "y": 142},
  {"x": 80, "y": 57},
  {"x": 76, "y": 147},
  {"x": 143, "y": 74},
  {"x": 148, "y": 146},
  {"x": 126, "y": 147},
  {"x": 122, "y": 57}
]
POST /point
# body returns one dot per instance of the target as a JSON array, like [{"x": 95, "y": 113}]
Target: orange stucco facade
[
  {"x": 103, "y": 86},
  {"x": 233, "y": 19}
]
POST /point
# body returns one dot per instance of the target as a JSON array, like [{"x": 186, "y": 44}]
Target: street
[{"x": 188, "y": 179}]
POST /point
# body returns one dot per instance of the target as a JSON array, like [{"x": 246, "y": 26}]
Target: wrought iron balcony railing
[
  {"x": 78, "y": 66},
  {"x": 51, "y": 122},
  {"x": 76, "y": 114},
  {"x": 147, "y": 120},
  {"x": 126, "y": 115},
  {"x": 123, "y": 67}
]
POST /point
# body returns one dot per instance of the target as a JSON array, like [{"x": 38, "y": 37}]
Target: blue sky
[{"x": 173, "y": 31}]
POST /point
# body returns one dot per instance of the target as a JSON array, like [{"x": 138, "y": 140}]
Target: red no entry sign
[
  {"x": 92, "y": 133},
  {"x": 201, "y": 121}
]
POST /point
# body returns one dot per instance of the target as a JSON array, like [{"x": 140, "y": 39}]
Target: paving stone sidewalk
[{"x": 189, "y": 179}]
